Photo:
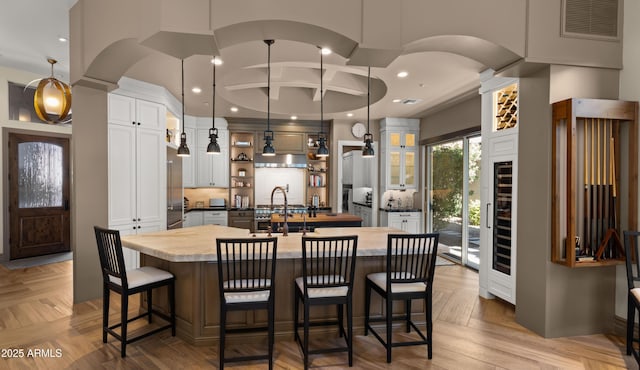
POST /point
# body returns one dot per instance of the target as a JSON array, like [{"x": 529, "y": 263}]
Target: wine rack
[
  {"x": 502, "y": 200},
  {"x": 506, "y": 108}
]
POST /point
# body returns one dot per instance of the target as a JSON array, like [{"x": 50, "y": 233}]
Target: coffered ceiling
[{"x": 29, "y": 32}]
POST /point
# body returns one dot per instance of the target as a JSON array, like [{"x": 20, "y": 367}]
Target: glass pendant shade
[
  {"x": 268, "y": 149},
  {"x": 213, "y": 147},
  {"x": 323, "y": 151},
  {"x": 183, "y": 149},
  {"x": 367, "y": 150},
  {"x": 52, "y": 99}
]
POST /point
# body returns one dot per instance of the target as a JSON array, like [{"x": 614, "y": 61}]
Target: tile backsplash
[
  {"x": 398, "y": 199},
  {"x": 203, "y": 194}
]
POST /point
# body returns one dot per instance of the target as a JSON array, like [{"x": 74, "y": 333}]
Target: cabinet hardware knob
[
  {"x": 134, "y": 227},
  {"x": 134, "y": 220},
  {"x": 138, "y": 219},
  {"x": 133, "y": 123},
  {"x": 138, "y": 123},
  {"x": 139, "y": 227}
]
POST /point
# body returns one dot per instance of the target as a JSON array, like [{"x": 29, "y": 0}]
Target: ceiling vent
[
  {"x": 596, "y": 19},
  {"x": 410, "y": 101}
]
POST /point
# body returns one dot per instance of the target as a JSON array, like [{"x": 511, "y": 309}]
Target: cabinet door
[
  {"x": 394, "y": 177},
  {"x": 122, "y": 174},
  {"x": 396, "y": 222},
  {"x": 151, "y": 176},
  {"x": 412, "y": 224},
  {"x": 193, "y": 219},
  {"x": 409, "y": 169},
  {"x": 220, "y": 168},
  {"x": 215, "y": 218},
  {"x": 151, "y": 115},
  {"x": 122, "y": 110},
  {"x": 289, "y": 142}
]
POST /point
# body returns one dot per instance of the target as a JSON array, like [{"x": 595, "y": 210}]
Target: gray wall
[
  {"x": 554, "y": 300},
  {"x": 89, "y": 202},
  {"x": 461, "y": 116}
]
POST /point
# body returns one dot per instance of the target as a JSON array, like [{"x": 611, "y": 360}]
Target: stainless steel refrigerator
[{"x": 175, "y": 200}]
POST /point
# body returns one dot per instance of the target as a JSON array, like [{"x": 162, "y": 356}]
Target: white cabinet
[
  {"x": 399, "y": 153},
  {"x": 405, "y": 221},
  {"x": 213, "y": 169},
  {"x": 136, "y": 169},
  {"x": 202, "y": 169},
  {"x": 215, "y": 218},
  {"x": 193, "y": 218}
]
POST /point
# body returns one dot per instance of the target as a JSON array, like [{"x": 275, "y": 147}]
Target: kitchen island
[{"x": 190, "y": 254}]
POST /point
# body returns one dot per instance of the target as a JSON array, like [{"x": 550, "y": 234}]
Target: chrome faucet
[{"x": 285, "y": 226}]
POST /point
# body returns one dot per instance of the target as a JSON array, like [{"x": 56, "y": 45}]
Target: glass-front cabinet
[{"x": 400, "y": 152}]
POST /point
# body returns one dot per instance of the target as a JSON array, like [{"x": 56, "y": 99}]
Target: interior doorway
[{"x": 39, "y": 187}]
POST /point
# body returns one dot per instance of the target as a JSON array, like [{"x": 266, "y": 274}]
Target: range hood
[{"x": 281, "y": 161}]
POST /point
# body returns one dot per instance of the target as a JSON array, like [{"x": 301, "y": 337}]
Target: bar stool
[
  {"x": 328, "y": 265},
  {"x": 116, "y": 278},
  {"x": 633, "y": 297},
  {"x": 246, "y": 281},
  {"x": 411, "y": 262}
]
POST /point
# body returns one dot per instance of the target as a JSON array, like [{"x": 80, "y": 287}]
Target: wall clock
[{"x": 358, "y": 130}]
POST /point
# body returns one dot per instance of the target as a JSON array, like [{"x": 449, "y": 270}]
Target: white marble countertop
[{"x": 197, "y": 244}]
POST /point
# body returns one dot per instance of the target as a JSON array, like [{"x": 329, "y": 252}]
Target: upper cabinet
[
  {"x": 137, "y": 169},
  {"x": 202, "y": 169},
  {"x": 399, "y": 153}
]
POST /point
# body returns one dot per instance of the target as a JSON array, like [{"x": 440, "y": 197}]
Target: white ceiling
[{"x": 29, "y": 32}]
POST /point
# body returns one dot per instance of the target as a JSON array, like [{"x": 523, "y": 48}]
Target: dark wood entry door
[{"x": 39, "y": 195}]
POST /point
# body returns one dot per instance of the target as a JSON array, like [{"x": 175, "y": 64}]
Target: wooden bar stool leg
[
  {"x": 367, "y": 306},
  {"x": 306, "y": 336},
  {"x": 149, "y": 304},
  {"x": 631, "y": 316},
  {"x": 340, "y": 320},
  {"x": 350, "y": 329},
  {"x": 106, "y": 295},
  {"x": 389, "y": 320},
  {"x": 428, "y": 309},
  {"x": 407, "y": 307},
  {"x": 172, "y": 307},
  {"x": 223, "y": 322},
  {"x": 123, "y": 317}
]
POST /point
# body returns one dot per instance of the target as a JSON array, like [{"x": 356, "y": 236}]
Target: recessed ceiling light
[
  {"x": 403, "y": 74},
  {"x": 349, "y": 114},
  {"x": 196, "y": 90},
  {"x": 397, "y": 100},
  {"x": 325, "y": 51},
  {"x": 217, "y": 61},
  {"x": 294, "y": 117},
  {"x": 63, "y": 39},
  {"x": 234, "y": 109}
]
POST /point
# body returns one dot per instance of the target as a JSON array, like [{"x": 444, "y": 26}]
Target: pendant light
[
  {"x": 183, "y": 149},
  {"x": 213, "y": 147},
  {"x": 268, "y": 149},
  {"x": 367, "y": 151},
  {"x": 52, "y": 99},
  {"x": 323, "y": 151}
]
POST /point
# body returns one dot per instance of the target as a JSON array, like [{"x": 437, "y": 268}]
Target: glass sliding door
[{"x": 453, "y": 170}]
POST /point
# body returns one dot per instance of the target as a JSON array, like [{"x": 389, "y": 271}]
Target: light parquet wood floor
[{"x": 36, "y": 313}]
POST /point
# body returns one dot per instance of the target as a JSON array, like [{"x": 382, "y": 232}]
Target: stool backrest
[
  {"x": 330, "y": 259},
  {"x": 246, "y": 264},
  {"x": 411, "y": 258},
  {"x": 631, "y": 256},
  {"x": 110, "y": 252}
]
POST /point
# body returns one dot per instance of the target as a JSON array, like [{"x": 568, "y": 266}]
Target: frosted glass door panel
[
  {"x": 394, "y": 139},
  {"x": 409, "y": 168},
  {"x": 394, "y": 168},
  {"x": 409, "y": 140},
  {"x": 40, "y": 171}
]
